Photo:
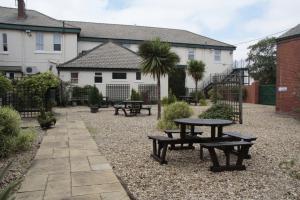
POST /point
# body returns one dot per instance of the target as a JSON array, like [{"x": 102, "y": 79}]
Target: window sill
[
  {"x": 47, "y": 52},
  {"x": 138, "y": 81},
  {"x": 4, "y": 52}
]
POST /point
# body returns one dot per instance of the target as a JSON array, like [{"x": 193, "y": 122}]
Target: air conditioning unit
[{"x": 31, "y": 70}]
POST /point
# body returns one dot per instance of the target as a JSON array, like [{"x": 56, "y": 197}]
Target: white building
[{"x": 32, "y": 42}]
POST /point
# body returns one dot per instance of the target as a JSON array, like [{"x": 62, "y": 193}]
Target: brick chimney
[{"x": 21, "y": 9}]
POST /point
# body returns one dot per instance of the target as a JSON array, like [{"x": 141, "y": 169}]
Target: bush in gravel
[
  {"x": 5, "y": 85},
  {"x": 203, "y": 102},
  {"x": 174, "y": 111},
  {"x": 171, "y": 98},
  {"x": 135, "y": 96},
  {"x": 218, "y": 111},
  {"x": 12, "y": 139}
]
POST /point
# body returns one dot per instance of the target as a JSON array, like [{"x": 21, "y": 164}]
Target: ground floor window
[
  {"x": 119, "y": 75},
  {"x": 98, "y": 77},
  {"x": 74, "y": 77}
]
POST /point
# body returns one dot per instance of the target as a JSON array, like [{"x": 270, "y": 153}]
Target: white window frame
[
  {"x": 217, "y": 55},
  {"x": 4, "y": 43},
  {"x": 98, "y": 74},
  {"x": 74, "y": 80},
  {"x": 57, "y": 40},
  {"x": 191, "y": 54},
  {"x": 39, "y": 41}
]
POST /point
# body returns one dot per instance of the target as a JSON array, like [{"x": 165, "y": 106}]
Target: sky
[{"x": 232, "y": 21}]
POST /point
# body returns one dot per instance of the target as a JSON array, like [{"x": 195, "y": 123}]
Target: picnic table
[
  {"x": 133, "y": 103},
  {"x": 133, "y": 106}
]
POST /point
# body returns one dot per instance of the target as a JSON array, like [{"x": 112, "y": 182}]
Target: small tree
[
  {"x": 94, "y": 97},
  {"x": 135, "y": 96},
  {"x": 262, "y": 61},
  {"x": 5, "y": 85},
  {"x": 196, "y": 69},
  {"x": 158, "y": 60}
]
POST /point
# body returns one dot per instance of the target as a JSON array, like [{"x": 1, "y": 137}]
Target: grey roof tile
[
  {"x": 131, "y": 32},
  {"x": 106, "y": 56},
  {"x": 292, "y": 32}
]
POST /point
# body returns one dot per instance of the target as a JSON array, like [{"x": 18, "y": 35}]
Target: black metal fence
[
  {"x": 117, "y": 92},
  {"x": 228, "y": 90},
  {"x": 148, "y": 93}
]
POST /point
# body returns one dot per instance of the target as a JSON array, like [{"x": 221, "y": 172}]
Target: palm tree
[
  {"x": 158, "y": 60},
  {"x": 196, "y": 69}
]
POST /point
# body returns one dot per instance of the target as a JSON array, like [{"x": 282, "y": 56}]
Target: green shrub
[
  {"x": 200, "y": 95},
  {"x": 25, "y": 139},
  {"x": 94, "y": 96},
  {"x": 203, "y": 102},
  {"x": 10, "y": 121},
  {"x": 174, "y": 111},
  {"x": 214, "y": 95},
  {"x": 135, "y": 96},
  {"x": 46, "y": 119},
  {"x": 171, "y": 98},
  {"x": 5, "y": 85},
  {"x": 218, "y": 111}
]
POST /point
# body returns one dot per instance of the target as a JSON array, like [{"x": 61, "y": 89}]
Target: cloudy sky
[{"x": 231, "y": 21}]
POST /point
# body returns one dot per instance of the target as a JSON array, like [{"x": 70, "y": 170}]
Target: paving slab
[{"x": 69, "y": 166}]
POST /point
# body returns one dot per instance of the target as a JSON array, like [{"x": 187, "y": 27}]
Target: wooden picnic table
[
  {"x": 213, "y": 123},
  {"x": 133, "y": 103}
]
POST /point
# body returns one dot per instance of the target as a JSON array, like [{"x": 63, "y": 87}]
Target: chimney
[{"x": 21, "y": 9}]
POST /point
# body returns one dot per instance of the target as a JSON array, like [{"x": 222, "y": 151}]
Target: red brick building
[{"x": 288, "y": 71}]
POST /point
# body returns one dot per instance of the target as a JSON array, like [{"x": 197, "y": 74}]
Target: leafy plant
[
  {"x": 196, "y": 95},
  {"x": 218, "y": 111},
  {"x": 157, "y": 60},
  {"x": 94, "y": 97},
  {"x": 25, "y": 139},
  {"x": 214, "y": 95},
  {"x": 174, "y": 111},
  {"x": 5, "y": 85},
  {"x": 196, "y": 69},
  {"x": 10, "y": 121},
  {"x": 171, "y": 98},
  {"x": 6, "y": 193},
  {"x": 135, "y": 96},
  {"x": 203, "y": 102},
  {"x": 46, "y": 119}
]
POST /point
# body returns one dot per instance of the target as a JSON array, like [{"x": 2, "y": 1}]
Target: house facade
[
  {"x": 288, "y": 71},
  {"x": 31, "y": 42}
]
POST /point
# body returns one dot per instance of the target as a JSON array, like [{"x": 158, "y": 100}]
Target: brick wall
[
  {"x": 288, "y": 75},
  {"x": 252, "y": 93}
]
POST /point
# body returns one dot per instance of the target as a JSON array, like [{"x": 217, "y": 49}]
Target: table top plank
[{"x": 203, "y": 122}]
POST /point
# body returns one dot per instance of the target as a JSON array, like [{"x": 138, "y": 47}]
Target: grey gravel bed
[
  {"x": 22, "y": 160},
  {"x": 124, "y": 142}
]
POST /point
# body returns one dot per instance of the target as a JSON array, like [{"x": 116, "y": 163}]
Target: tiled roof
[
  {"x": 291, "y": 33},
  {"x": 105, "y": 56},
  {"x": 131, "y": 32}
]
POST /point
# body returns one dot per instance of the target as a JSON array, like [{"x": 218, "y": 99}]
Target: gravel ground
[
  {"x": 124, "y": 142},
  {"x": 21, "y": 161}
]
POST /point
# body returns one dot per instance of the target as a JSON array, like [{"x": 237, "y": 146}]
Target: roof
[
  {"x": 33, "y": 18},
  {"x": 11, "y": 68},
  {"x": 105, "y": 56},
  {"x": 142, "y": 33},
  {"x": 294, "y": 32}
]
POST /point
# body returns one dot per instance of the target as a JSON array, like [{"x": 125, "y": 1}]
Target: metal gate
[
  {"x": 148, "y": 93},
  {"x": 228, "y": 90},
  {"x": 267, "y": 94},
  {"x": 117, "y": 92}
]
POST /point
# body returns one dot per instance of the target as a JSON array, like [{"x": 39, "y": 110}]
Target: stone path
[{"x": 68, "y": 166}]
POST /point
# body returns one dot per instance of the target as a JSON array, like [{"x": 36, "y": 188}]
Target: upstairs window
[
  {"x": 191, "y": 54},
  {"x": 98, "y": 77},
  {"x": 39, "y": 41},
  {"x": 74, "y": 77},
  {"x": 4, "y": 42},
  {"x": 138, "y": 76},
  {"x": 57, "y": 42},
  {"x": 217, "y": 55},
  {"x": 119, "y": 75}
]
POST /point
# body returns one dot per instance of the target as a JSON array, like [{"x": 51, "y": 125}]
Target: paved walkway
[{"x": 68, "y": 166}]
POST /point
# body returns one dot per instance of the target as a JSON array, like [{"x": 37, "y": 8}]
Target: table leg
[
  {"x": 220, "y": 131},
  {"x": 192, "y": 130},
  {"x": 182, "y": 131},
  {"x": 213, "y": 132}
]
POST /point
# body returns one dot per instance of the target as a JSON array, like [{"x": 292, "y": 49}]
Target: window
[
  {"x": 74, "y": 77},
  {"x": 138, "y": 76},
  {"x": 119, "y": 75},
  {"x": 191, "y": 54},
  {"x": 11, "y": 75},
  {"x": 98, "y": 77},
  {"x": 39, "y": 41},
  {"x": 4, "y": 42},
  {"x": 217, "y": 55},
  {"x": 57, "y": 42}
]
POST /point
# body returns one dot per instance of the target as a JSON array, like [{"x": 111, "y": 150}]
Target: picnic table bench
[{"x": 131, "y": 108}]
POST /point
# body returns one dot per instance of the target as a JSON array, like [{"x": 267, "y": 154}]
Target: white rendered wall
[
  {"x": 87, "y": 78},
  {"x": 22, "y": 50}
]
